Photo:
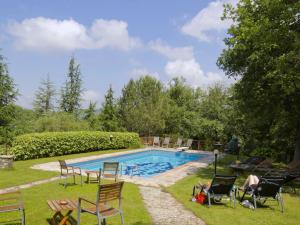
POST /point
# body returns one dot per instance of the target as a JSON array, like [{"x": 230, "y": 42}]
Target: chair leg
[
  {"x": 281, "y": 202},
  {"x": 22, "y": 212},
  {"x": 81, "y": 179},
  {"x": 254, "y": 201},
  {"x": 78, "y": 214},
  {"x": 99, "y": 218},
  {"x": 74, "y": 179},
  {"x": 234, "y": 199},
  {"x": 122, "y": 219},
  {"x": 209, "y": 203},
  {"x": 104, "y": 221},
  {"x": 66, "y": 181}
]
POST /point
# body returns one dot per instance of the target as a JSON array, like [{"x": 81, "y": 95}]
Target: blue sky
[{"x": 113, "y": 41}]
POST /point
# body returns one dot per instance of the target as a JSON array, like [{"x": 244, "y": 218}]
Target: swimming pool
[{"x": 145, "y": 164}]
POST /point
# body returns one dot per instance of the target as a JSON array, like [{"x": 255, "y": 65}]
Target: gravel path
[{"x": 165, "y": 209}]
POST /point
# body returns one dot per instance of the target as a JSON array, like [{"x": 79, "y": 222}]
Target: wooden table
[
  {"x": 58, "y": 208},
  {"x": 89, "y": 178}
]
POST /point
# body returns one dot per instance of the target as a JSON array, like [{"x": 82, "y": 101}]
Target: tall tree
[
  {"x": 263, "y": 49},
  {"x": 90, "y": 115},
  {"x": 108, "y": 115},
  {"x": 44, "y": 97},
  {"x": 8, "y": 96},
  {"x": 71, "y": 92},
  {"x": 143, "y": 106}
]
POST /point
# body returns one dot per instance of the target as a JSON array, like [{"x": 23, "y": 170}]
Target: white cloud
[
  {"x": 138, "y": 72},
  {"x": 90, "y": 96},
  {"x": 208, "y": 21},
  {"x": 45, "y": 34},
  {"x": 192, "y": 72},
  {"x": 182, "y": 53}
]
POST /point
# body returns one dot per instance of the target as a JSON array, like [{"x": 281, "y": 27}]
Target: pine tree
[
  {"x": 90, "y": 115},
  {"x": 108, "y": 115},
  {"x": 44, "y": 97},
  {"x": 71, "y": 92},
  {"x": 8, "y": 96}
]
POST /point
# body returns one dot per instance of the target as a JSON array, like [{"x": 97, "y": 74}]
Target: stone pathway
[
  {"x": 165, "y": 210},
  {"x": 28, "y": 185}
]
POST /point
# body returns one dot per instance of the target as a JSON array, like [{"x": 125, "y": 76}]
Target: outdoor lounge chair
[
  {"x": 166, "y": 142},
  {"x": 267, "y": 187},
  {"x": 12, "y": 202},
  {"x": 292, "y": 167},
  {"x": 178, "y": 143},
  {"x": 156, "y": 141},
  {"x": 187, "y": 146},
  {"x": 107, "y": 193},
  {"x": 68, "y": 171},
  {"x": 248, "y": 164},
  {"x": 221, "y": 185}
]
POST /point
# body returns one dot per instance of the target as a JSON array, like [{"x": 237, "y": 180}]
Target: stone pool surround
[{"x": 163, "y": 179}]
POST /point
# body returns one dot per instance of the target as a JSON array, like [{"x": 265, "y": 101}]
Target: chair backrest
[
  {"x": 166, "y": 140},
  {"x": 110, "y": 168},
  {"x": 109, "y": 192},
  {"x": 222, "y": 184},
  {"x": 269, "y": 186},
  {"x": 179, "y": 141},
  {"x": 155, "y": 140},
  {"x": 62, "y": 164},
  {"x": 189, "y": 142}
]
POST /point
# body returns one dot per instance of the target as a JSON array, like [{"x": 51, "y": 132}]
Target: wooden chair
[
  {"x": 67, "y": 171},
  {"x": 110, "y": 170},
  {"x": 178, "y": 143},
  {"x": 12, "y": 202},
  {"x": 156, "y": 141},
  {"x": 166, "y": 142},
  {"x": 107, "y": 193}
]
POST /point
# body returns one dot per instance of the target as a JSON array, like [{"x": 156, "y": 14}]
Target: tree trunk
[{"x": 297, "y": 149}]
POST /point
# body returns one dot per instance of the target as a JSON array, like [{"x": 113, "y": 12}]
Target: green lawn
[
  {"x": 22, "y": 173},
  {"x": 226, "y": 214},
  {"x": 37, "y": 210}
]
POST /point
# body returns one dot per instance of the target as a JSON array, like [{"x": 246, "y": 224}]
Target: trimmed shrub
[{"x": 39, "y": 145}]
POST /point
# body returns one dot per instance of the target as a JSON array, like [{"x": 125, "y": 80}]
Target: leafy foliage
[
  {"x": 144, "y": 106},
  {"x": 263, "y": 49},
  {"x": 60, "y": 122},
  {"x": 39, "y": 145},
  {"x": 8, "y": 95}
]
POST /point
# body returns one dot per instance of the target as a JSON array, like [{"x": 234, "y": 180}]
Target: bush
[{"x": 39, "y": 145}]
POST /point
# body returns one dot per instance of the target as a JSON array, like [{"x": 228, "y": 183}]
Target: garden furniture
[
  {"x": 178, "y": 143},
  {"x": 248, "y": 164},
  {"x": 221, "y": 185},
  {"x": 12, "y": 202},
  {"x": 89, "y": 177},
  {"x": 267, "y": 187},
  {"x": 156, "y": 141},
  {"x": 107, "y": 193},
  {"x": 63, "y": 210},
  {"x": 69, "y": 171},
  {"x": 166, "y": 142}
]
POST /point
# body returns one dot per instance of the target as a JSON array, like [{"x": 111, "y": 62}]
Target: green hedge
[{"x": 39, "y": 145}]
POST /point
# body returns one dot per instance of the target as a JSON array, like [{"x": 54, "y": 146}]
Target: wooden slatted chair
[
  {"x": 166, "y": 142},
  {"x": 12, "y": 202},
  {"x": 156, "y": 141},
  {"x": 110, "y": 170},
  {"x": 68, "y": 171},
  {"x": 107, "y": 193}
]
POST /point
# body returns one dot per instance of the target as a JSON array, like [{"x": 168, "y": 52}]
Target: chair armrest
[
  {"x": 86, "y": 200},
  {"x": 75, "y": 168}
]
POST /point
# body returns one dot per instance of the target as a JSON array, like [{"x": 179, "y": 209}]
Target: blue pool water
[{"x": 144, "y": 164}]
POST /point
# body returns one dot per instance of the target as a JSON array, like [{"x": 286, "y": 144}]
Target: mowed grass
[
  {"x": 38, "y": 212},
  {"x": 22, "y": 173},
  {"x": 225, "y": 214}
]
